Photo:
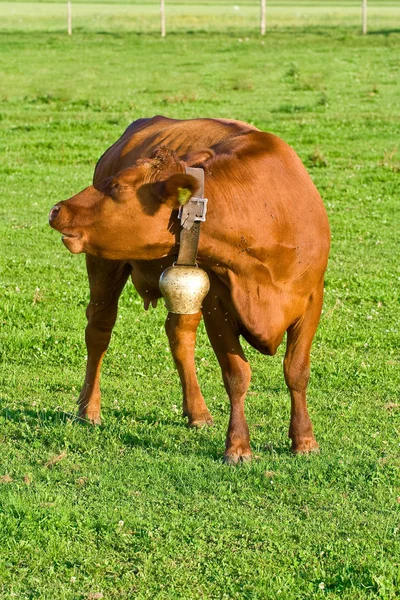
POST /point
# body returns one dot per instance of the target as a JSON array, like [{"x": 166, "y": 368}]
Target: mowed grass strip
[
  {"x": 142, "y": 507},
  {"x": 190, "y": 16}
]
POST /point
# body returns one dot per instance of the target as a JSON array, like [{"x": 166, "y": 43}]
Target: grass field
[{"x": 142, "y": 507}]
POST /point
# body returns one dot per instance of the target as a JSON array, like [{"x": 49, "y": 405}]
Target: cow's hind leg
[
  {"x": 106, "y": 279},
  {"x": 297, "y": 374},
  {"x": 181, "y": 332},
  {"x": 236, "y": 374}
]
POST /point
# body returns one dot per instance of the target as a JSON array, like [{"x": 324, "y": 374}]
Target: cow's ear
[{"x": 176, "y": 190}]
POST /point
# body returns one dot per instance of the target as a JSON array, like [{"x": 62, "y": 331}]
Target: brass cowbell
[
  {"x": 184, "y": 285},
  {"x": 184, "y": 289}
]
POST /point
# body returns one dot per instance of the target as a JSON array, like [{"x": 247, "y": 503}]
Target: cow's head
[{"x": 129, "y": 215}]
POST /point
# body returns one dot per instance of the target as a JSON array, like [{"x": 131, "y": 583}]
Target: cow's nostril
[{"x": 54, "y": 212}]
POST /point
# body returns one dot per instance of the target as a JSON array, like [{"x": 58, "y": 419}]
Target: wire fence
[{"x": 165, "y": 17}]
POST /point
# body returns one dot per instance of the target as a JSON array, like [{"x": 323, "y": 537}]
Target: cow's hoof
[
  {"x": 91, "y": 417},
  {"x": 305, "y": 446},
  {"x": 235, "y": 458},
  {"x": 203, "y": 420}
]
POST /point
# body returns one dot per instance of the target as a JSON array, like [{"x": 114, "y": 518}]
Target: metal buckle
[{"x": 194, "y": 211}]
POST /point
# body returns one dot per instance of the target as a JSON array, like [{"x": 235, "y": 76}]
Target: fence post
[
  {"x": 364, "y": 17},
  {"x": 69, "y": 17},
  {"x": 162, "y": 11},
  {"x": 262, "y": 17}
]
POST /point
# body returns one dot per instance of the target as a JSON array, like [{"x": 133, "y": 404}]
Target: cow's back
[{"x": 183, "y": 136}]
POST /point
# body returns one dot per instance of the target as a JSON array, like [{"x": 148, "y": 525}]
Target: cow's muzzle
[{"x": 70, "y": 237}]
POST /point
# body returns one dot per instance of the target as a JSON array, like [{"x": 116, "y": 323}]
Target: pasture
[{"x": 142, "y": 507}]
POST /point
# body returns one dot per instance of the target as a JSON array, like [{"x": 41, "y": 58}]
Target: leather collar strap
[{"x": 191, "y": 216}]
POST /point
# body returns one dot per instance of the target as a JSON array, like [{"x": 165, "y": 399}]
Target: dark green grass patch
[{"x": 142, "y": 506}]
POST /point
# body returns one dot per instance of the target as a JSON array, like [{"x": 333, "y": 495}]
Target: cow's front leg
[
  {"x": 236, "y": 374},
  {"x": 106, "y": 279},
  {"x": 297, "y": 374},
  {"x": 181, "y": 331}
]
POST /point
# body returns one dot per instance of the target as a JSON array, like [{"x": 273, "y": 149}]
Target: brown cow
[{"x": 264, "y": 245}]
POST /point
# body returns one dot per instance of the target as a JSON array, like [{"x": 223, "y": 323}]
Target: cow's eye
[{"x": 117, "y": 192}]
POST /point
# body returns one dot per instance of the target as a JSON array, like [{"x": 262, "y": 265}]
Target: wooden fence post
[
  {"x": 69, "y": 17},
  {"x": 364, "y": 17},
  {"x": 162, "y": 11},
  {"x": 262, "y": 17}
]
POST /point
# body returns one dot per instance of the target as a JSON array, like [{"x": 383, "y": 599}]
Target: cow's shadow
[
  {"x": 205, "y": 446},
  {"x": 208, "y": 446},
  {"x": 161, "y": 433}
]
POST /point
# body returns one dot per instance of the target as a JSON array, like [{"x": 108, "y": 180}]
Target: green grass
[{"x": 142, "y": 507}]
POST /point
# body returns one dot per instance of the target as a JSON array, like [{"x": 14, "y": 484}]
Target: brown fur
[{"x": 265, "y": 246}]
